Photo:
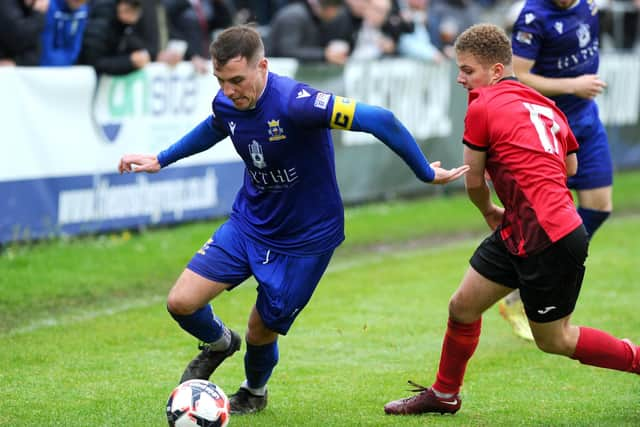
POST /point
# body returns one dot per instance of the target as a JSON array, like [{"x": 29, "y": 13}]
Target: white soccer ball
[{"x": 198, "y": 403}]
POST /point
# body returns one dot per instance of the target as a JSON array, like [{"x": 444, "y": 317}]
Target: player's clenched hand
[
  {"x": 444, "y": 176},
  {"x": 138, "y": 163}
]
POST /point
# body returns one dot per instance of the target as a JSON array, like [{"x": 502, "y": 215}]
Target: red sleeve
[{"x": 476, "y": 132}]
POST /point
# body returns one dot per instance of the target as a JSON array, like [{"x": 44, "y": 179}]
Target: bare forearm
[
  {"x": 548, "y": 86},
  {"x": 480, "y": 195}
]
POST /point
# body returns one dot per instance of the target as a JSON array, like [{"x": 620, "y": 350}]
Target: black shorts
[{"x": 549, "y": 281}]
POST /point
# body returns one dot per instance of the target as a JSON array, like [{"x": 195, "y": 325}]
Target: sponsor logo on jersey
[
  {"x": 255, "y": 150},
  {"x": 275, "y": 131},
  {"x": 322, "y": 100},
  {"x": 524, "y": 37},
  {"x": 232, "y": 127},
  {"x": 269, "y": 179}
]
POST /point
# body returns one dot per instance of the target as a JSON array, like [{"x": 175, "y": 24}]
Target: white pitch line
[{"x": 83, "y": 316}]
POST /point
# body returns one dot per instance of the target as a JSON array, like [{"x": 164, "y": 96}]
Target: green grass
[{"x": 86, "y": 339}]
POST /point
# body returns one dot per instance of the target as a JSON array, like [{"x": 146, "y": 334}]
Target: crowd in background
[{"x": 120, "y": 36}]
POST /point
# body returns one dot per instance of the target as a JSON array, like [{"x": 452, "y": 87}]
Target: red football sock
[
  {"x": 598, "y": 348},
  {"x": 460, "y": 341}
]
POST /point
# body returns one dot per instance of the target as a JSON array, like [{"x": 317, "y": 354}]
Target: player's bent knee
[
  {"x": 179, "y": 305},
  {"x": 461, "y": 311}
]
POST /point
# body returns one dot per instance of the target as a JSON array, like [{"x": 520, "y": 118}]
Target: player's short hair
[
  {"x": 488, "y": 43},
  {"x": 240, "y": 40}
]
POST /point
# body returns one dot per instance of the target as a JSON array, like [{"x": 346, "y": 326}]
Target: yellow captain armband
[{"x": 342, "y": 114}]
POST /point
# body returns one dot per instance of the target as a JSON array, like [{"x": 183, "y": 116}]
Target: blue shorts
[
  {"x": 285, "y": 282},
  {"x": 595, "y": 168}
]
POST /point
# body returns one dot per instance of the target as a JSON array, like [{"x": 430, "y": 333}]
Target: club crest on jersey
[
  {"x": 275, "y": 131},
  {"x": 255, "y": 150},
  {"x": 584, "y": 35},
  {"x": 558, "y": 26}
]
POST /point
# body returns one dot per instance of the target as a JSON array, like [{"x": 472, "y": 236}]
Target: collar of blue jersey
[{"x": 264, "y": 89}]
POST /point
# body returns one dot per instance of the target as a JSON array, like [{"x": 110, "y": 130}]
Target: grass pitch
[{"x": 86, "y": 340}]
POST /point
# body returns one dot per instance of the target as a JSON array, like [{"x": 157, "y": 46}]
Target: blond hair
[{"x": 488, "y": 43}]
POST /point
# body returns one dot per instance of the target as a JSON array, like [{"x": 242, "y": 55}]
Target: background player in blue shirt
[
  {"x": 556, "y": 51},
  {"x": 287, "y": 218}
]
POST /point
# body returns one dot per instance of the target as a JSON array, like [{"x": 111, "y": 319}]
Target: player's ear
[
  {"x": 262, "y": 64},
  {"x": 497, "y": 72}
]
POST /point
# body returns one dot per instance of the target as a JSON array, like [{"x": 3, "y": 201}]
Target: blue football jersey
[
  {"x": 290, "y": 199},
  {"x": 562, "y": 42}
]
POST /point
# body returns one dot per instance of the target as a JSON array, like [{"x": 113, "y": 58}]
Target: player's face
[
  {"x": 242, "y": 82},
  {"x": 471, "y": 73}
]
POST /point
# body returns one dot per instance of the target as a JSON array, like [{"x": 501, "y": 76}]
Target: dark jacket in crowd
[
  {"x": 197, "y": 27},
  {"x": 20, "y": 30},
  {"x": 152, "y": 28},
  {"x": 297, "y": 33},
  {"x": 108, "y": 43},
  {"x": 346, "y": 25}
]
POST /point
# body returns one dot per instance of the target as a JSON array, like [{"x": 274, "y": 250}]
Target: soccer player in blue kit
[
  {"x": 287, "y": 218},
  {"x": 556, "y": 51}
]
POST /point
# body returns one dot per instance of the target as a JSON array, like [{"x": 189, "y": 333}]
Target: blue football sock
[
  {"x": 259, "y": 361},
  {"x": 202, "y": 324},
  {"x": 592, "y": 219}
]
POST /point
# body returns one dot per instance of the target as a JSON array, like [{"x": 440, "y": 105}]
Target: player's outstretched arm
[
  {"x": 139, "y": 163},
  {"x": 383, "y": 124},
  {"x": 200, "y": 138}
]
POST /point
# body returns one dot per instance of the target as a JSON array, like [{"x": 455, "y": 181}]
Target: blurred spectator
[
  {"x": 348, "y": 22},
  {"x": 371, "y": 41},
  {"x": 194, "y": 21},
  {"x": 449, "y": 18},
  {"x": 152, "y": 27},
  {"x": 63, "y": 32},
  {"x": 299, "y": 31},
  {"x": 110, "y": 44},
  {"x": 21, "y": 24},
  {"x": 417, "y": 43},
  {"x": 153, "y": 30}
]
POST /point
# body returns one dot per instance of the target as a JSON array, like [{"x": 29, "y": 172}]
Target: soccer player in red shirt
[{"x": 539, "y": 244}]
